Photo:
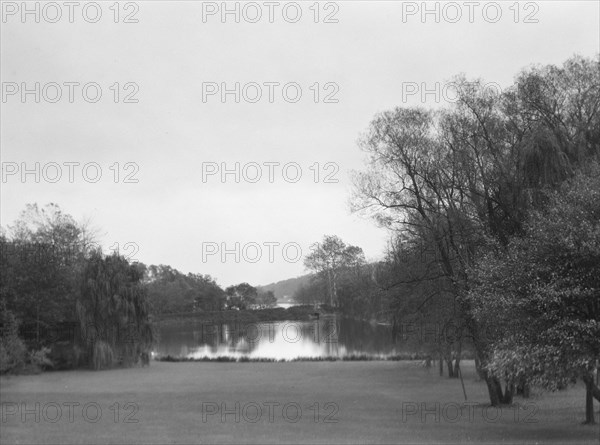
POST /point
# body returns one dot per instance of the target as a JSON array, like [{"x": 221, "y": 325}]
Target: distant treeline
[
  {"x": 171, "y": 292},
  {"x": 294, "y": 313}
]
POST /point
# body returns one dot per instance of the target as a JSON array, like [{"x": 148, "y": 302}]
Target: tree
[
  {"x": 209, "y": 296},
  {"x": 544, "y": 289},
  {"x": 170, "y": 291},
  {"x": 53, "y": 276},
  {"x": 329, "y": 257},
  {"x": 113, "y": 312},
  {"x": 313, "y": 293},
  {"x": 12, "y": 350},
  {"x": 241, "y": 296},
  {"x": 463, "y": 180},
  {"x": 266, "y": 299},
  {"x": 42, "y": 257}
]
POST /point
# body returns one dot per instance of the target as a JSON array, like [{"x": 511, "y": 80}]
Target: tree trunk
[
  {"x": 37, "y": 326},
  {"x": 509, "y": 391},
  {"x": 335, "y": 298},
  {"x": 450, "y": 367},
  {"x": 330, "y": 287},
  {"x": 462, "y": 383},
  {"x": 595, "y": 391},
  {"x": 497, "y": 396},
  {"x": 478, "y": 368},
  {"x": 494, "y": 390},
  {"x": 441, "y": 365},
  {"x": 456, "y": 365},
  {"x": 523, "y": 389},
  {"x": 591, "y": 392},
  {"x": 457, "y": 360},
  {"x": 589, "y": 401}
]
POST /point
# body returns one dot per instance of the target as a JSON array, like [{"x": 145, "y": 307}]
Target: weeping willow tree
[{"x": 113, "y": 312}]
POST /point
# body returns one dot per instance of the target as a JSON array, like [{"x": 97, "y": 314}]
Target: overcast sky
[{"x": 367, "y": 62}]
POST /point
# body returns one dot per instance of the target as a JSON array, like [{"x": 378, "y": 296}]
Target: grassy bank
[
  {"x": 330, "y": 358},
  {"x": 325, "y": 402}
]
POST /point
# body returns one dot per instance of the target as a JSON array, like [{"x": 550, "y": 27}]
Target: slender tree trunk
[
  {"x": 330, "y": 287},
  {"x": 450, "y": 367},
  {"x": 441, "y": 365},
  {"x": 456, "y": 366},
  {"x": 497, "y": 388},
  {"x": 595, "y": 390},
  {"x": 449, "y": 362},
  {"x": 462, "y": 382},
  {"x": 509, "y": 391},
  {"x": 478, "y": 368},
  {"x": 589, "y": 403},
  {"x": 37, "y": 325},
  {"x": 457, "y": 360},
  {"x": 335, "y": 298},
  {"x": 591, "y": 392},
  {"x": 523, "y": 389}
]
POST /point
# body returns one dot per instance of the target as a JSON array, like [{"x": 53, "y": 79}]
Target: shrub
[
  {"x": 12, "y": 355},
  {"x": 65, "y": 355},
  {"x": 13, "y": 352},
  {"x": 37, "y": 361}
]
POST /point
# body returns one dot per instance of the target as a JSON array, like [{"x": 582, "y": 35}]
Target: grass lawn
[{"x": 325, "y": 402}]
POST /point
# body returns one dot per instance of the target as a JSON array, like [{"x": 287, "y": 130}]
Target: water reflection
[{"x": 328, "y": 336}]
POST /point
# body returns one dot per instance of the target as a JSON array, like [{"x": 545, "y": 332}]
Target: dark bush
[{"x": 13, "y": 353}]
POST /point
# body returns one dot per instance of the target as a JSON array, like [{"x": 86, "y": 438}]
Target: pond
[{"x": 280, "y": 340}]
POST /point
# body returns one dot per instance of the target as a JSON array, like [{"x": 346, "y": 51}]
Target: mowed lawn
[{"x": 297, "y": 402}]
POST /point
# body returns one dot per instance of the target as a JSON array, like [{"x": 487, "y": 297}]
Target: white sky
[{"x": 371, "y": 52}]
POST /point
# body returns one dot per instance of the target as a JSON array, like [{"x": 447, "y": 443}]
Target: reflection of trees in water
[
  {"x": 363, "y": 336},
  {"x": 329, "y": 333}
]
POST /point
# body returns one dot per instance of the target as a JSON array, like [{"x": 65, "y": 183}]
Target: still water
[{"x": 287, "y": 340}]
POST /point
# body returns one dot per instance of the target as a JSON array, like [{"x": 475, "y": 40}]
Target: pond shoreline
[
  {"x": 294, "y": 313},
  {"x": 414, "y": 356}
]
